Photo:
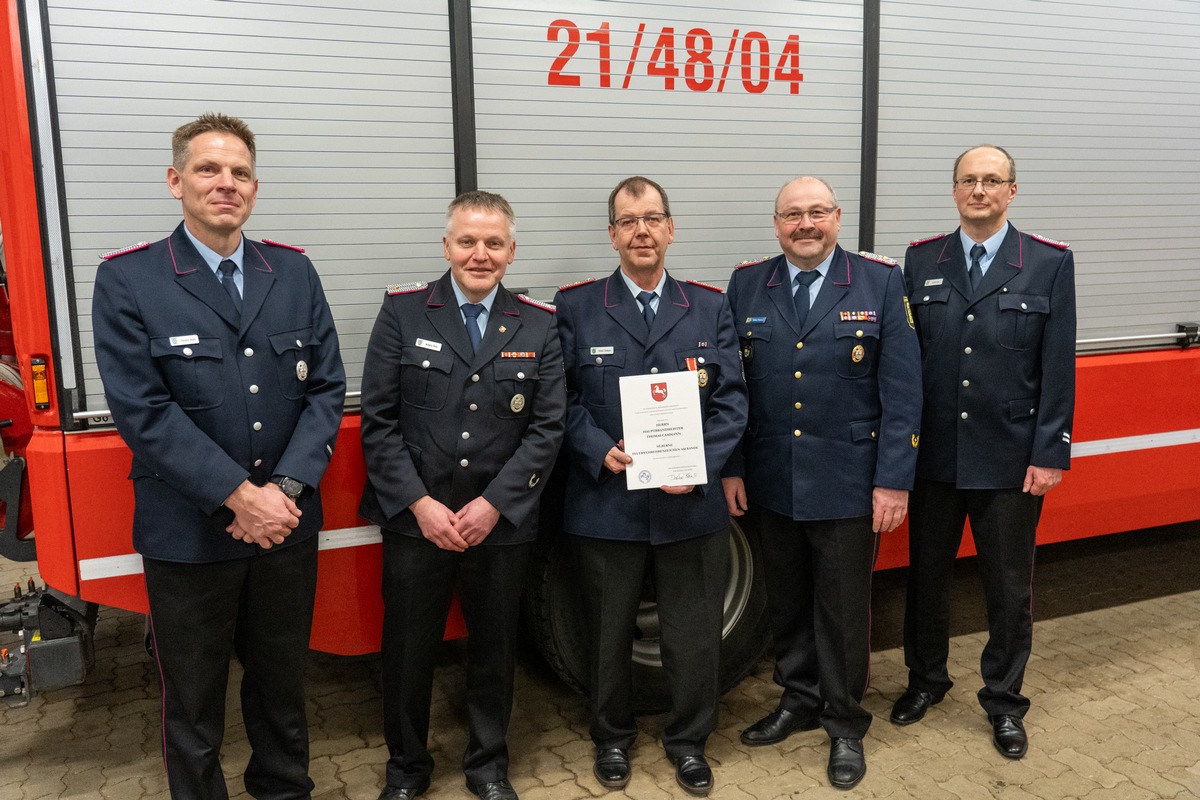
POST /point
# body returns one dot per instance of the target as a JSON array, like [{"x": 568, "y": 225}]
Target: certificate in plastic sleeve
[{"x": 664, "y": 432}]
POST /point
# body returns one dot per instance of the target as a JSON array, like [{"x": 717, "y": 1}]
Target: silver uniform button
[
  {"x": 254, "y": 388},
  {"x": 187, "y": 351},
  {"x": 258, "y": 462},
  {"x": 654, "y": 370},
  {"x": 970, "y": 317},
  {"x": 700, "y": 360},
  {"x": 474, "y": 379},
  {"x": 926, "y": 300},
  {"x": 520, "y": 376},
  {"x": 964, "y": 415},
  {"x": 257, "y": 426},
  {"x": 1024, "y": 307},
  {"x": 466, "y": 435},
  {"x": 425, "y": 365},
  {"x": 473, "y": 407},
  {"x": 464, "y": 463},
  {"x": 599, "y": 360},
  {"x": 967, "y": 350},
  {"x": 966, "y": 383},
  {"x": 299, "y": 343},
  {"x": 249, "y": 351}
]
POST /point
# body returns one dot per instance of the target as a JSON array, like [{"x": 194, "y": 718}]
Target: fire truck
[{"x": 371, "y": 115}]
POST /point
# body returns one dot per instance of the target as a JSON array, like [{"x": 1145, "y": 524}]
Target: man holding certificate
[
  {"x": 660, "y": 509},
  {"x": 834, "y": 374}
]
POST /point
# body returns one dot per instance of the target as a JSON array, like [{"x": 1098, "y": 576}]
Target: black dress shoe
[
  {"x": 496, "y": 790},
  {"x": 912, "y": 705},
  {"x": 1008, "y": 734},
  {"x": 694, "y": 775},
  {"x": 611, "y": 767},
  {"x": 777, "y": 726},
  {"x": 401, "y": 793},
  {"x": 846, "y": 763}
]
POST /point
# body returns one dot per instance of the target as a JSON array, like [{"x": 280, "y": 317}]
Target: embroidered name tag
[
  {"x": 428, "y": 345},
  {"x": 180, "y": 341},
  {"x": 602, "y": 351},
  {"x": 756, "y": 320},
  {"x": 934, "y": 282}
]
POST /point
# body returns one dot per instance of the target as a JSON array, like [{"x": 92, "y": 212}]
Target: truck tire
[{"x": 553, "y": 617}]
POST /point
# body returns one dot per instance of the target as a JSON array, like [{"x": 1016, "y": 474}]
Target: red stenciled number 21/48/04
[{"x": 702, "y": 68}]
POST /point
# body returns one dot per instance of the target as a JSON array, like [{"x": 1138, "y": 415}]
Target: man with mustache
[{"x": 832, "y": 367}]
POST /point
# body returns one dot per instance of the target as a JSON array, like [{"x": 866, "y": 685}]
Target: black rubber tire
[{"x": 553, "y": 618}]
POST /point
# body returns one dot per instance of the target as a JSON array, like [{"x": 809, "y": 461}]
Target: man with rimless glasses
[
  {"x": 995, "y": 313},
  {"x": 832, "y": 367},
  {"x": 637, "y": 321}
]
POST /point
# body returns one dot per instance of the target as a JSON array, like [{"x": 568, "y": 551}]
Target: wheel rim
[{"x": 739, "y": 583}]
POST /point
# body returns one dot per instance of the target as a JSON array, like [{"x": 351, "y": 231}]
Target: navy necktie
[
  {"x": 800, "y": 296},
  {"x": 647, "y": 309},
  {"x": 227, "y": 268},
  {"x": 976, "y": 271},
  {"x": 472, "y": 311}
]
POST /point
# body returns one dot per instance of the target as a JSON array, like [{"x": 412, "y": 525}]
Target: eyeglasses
[
  {"x": 816, "y": 215},
  {"x": 653, "y": 222},
  {"x": 989, "y": 184}
]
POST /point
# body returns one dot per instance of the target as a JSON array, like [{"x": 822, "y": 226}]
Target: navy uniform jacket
[
  {"x": 999, "y": 365},
  {"x": 442, "y": 421},
  {"x": 205, "y": 402},
  {"x": 604, "y": 337},
  {"x": 835, "y": 408}
]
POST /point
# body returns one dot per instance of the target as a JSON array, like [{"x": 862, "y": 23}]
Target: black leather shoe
[
  {"x": 611, "y": 767},
  {"x": 846, "y": 763},
  {"x": 694, "y": 775},
  {"x": 398, "y": 793},
  {"x": 777, "y": 726},
  {"x": 1008, "y": 734},
  {"x": 912, "y": 705},
  {"x": 497, "y": 790}
]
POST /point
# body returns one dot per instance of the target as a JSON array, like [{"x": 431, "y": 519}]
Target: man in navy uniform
[
  {"x": 995, "y": 310},
  {"x": 462, "y": 417},
  {"x": 832, "y": 366},
  {"x": 639, "y": 320},
  {"x": 220, "y": 364}
]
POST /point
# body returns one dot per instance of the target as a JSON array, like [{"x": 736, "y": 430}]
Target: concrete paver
[{"x": 1115, "y": 716}]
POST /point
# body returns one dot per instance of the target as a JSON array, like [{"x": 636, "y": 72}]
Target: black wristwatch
[{"x": 289, "y": 486}]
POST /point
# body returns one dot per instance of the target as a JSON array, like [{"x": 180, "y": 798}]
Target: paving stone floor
[{"x": 1114, "y": 680}]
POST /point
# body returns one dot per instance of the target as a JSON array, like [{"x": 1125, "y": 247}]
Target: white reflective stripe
[
  {"x": 93, "y": 569},
  {"x": 350, "y": 537},
  {"x": 1146, "y": 441}
]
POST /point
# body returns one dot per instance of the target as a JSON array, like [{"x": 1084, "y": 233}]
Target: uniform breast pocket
[
  {"x": 600, "y": 370},
  {"x": 1021, "y": 320},
  {"x": 516, "y": 388},
  {"x": 192, "y": 372},
  {"x": 703, "y": 362},
  {"x": 929, "y": 308},
  {"x": 293, "y": 358},
  {"x": 754, "y": 341},
  {"x": 425, "y": 377},
  {"x": 856, "y": 348}
]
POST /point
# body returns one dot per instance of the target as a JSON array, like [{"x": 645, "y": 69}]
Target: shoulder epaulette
[
  {"x": 891, "y": 262},
  {"x": 576, "y": 284},
  {"x": 1051, "y": 242},
  {"x": 133, "y": 248},
  {"x": 274, "y": 243},
  {"x": 752, "y": 262},
  {"x": 926, "y": 240},
  {"x": 406, "y": 288},
  {"x": 524, "y": 298},
  {"x": 708, "y": 286}
]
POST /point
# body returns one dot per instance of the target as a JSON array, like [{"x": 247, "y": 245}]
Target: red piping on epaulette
[
  {"x": 529, "y": 301},
  {"x": 133, "y": 248},
  {"x": 745, "y": 264},
  {"x": 708, "y": 286},
  {"x": 934, "y": 238},
  {"x": 274, "y": 243},
  {"x": 576, "y": 284},
  {"x": 878, "y": 259},
  {"x": 1051, "y": 242}
]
